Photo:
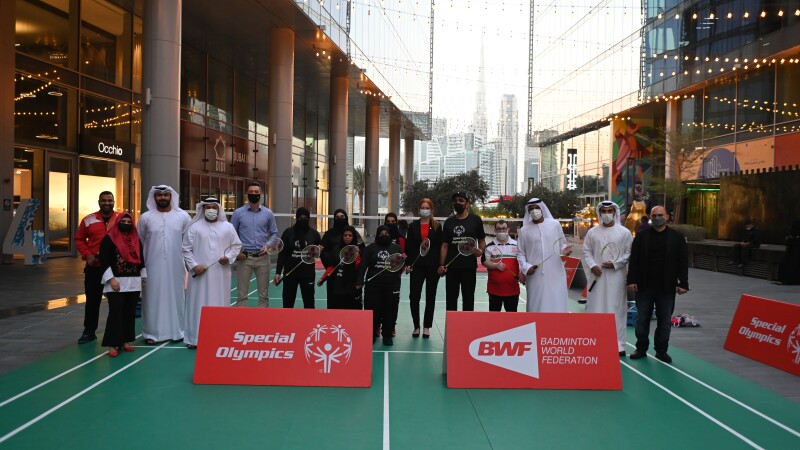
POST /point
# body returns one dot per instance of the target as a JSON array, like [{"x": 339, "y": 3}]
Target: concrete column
[
  {"x": 394, "y": 166},
  {"x": 408, "y": 169},
  {"x": 672, "y": 128},
  {"x": 371, "y": 138},
  {"x": 281, "y": 114},
  {"x": 161, "y": 51},
  {"x": 8, "y": 15},
  {"x": 338, "y": 141}
]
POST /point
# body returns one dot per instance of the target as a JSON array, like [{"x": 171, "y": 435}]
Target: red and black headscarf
[{"x": 127, "y": 243}]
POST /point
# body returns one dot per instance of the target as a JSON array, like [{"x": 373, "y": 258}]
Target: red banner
[
  {"x": 571, "y": 266},
  {"x": 284, "y": 347},
  {"x": 532, "y": 351},
  {"x": 767, "y": 331}
]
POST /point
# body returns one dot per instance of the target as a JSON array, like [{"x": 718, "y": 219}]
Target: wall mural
[{"x": 632, "y": 167}]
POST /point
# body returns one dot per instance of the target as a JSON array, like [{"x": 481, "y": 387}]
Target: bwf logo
[{"x": 514, "y": 349}]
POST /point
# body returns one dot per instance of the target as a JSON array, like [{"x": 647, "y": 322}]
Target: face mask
[
  {"x": 459, "y": 208},
  {"x": 502, "y": 235},
  {"x": 125, "y": 227},
  {"x": 607, "y": 218},
  {"x": 253, "y": 198},
  {"x": 392, "y": 227},
  {"x": 659, "y": 221},
  {"x": 424, "y": 212},
  {"x": 211, "y": 214},
  {"x": 302, "y": 223},
  {"x": 383, "y": 241},
  {"x": 537, "y": 214},
  {"x": 340, "y": 222}
]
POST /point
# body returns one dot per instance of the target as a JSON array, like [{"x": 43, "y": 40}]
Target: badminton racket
[
  {"x": 465, "y": 248},
  {"x": 236, "y": 246},
  {"x": 308, "y": 255},
  {"x": 273, "y": 246},
  {"x": 393, "y": 263},
  {"x": 495, "y": 255},
  {"x": 609, "y": 253},
  {"x": 424, "y": 248},
  {"x": 347, "y": 255},
  {"x": 556, "y": 249}
]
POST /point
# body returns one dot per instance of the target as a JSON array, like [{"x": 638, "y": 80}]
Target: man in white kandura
[
  {"x": 161, "y": 232},
  {"x": 207, "y": 241},
  {"x": 540, "y": 245},
  {"x": 608, "y": 269}
]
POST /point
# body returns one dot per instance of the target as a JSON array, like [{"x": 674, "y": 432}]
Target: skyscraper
[
  {"x": 508, "y": 142},
  {"x": 479, "y": 123}
]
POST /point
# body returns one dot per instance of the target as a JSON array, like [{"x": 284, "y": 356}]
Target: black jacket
[
  {"x": 373, "y": 261},
  {"x": 413, "y": 241},
  {"x": 289, "y": 258},
  {"x": 676, "y": 263}
]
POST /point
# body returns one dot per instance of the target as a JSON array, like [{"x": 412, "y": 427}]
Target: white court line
[
  {"x": 717, "y": 391},
  {"x": 687, "y": 403},
  {"x": 386, "y": 442},
  {"x": 76, "y": 396}
]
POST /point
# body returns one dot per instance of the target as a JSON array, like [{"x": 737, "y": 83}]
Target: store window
[
  {"x": 244, "y": 114},
  {"x": 40, "y": 111},
  {"x": 107, "y": 119},
  {"x": 755, "y": 111},
  {"x": 42, "y": 30},
  {"x": 220, "y": 96},
  {"x": 29, "y": 180},
  {"x": 106, "y": 42},
  {"x": 788, "y": 97},
  {"x": 96, "y": 176},
  {"x": 193, "y": 85}
]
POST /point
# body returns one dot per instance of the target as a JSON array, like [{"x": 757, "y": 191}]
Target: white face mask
[
  {"x": 211, "y": 214},
  {"x": 537, "y": 214},
  {"x": 607, "y": 218},
  {"x": 424, "y": 212},
  {"x": 502, "y": 235}
]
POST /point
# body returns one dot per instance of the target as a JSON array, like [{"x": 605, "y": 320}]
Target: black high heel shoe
[
  {"x": 415, "y": 334},
  {"x": 426, "y": 335}
]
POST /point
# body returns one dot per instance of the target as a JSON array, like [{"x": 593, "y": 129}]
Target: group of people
[{"x": 124, "y": 260}]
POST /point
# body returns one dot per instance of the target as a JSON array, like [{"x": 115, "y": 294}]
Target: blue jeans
[{"x": 664, "y": 302}]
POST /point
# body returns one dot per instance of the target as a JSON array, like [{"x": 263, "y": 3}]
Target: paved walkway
[{"x": 41, "y": 312}]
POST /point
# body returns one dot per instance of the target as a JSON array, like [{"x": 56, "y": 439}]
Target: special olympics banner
[
  {"x": 284, "y": 347},
  {"x": 532, "y": 351},
  {"x": 767, "y": 331}
]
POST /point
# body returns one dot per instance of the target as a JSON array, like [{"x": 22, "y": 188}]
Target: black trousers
[
  {"x": 121, "y": 322},
  {"x": 290, "y": 285},
  {"x": 463, "y": 279},
  {"x": 741, "y": 253},
  {"x": 664, "y": 302},
  {"x": 384, "y": 300},
  {"x": 497, "y": 302},
  {"x": 92, "y": 284},
  {"x": 427, "y": 276}
]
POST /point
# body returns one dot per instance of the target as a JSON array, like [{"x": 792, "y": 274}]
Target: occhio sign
[{"x": 107, "y": 148}]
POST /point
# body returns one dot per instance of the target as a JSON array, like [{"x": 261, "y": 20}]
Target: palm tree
[{"x": 359, "y": 187}]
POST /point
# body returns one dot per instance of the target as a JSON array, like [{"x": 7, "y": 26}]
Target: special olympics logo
[
  {"x": 458, "y": 230},
  {"x": 383, "y": 254},
  {"x": 328, "y": 344},
  {"x": 793, "y": 345}
]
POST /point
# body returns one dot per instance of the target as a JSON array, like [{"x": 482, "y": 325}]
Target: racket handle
[
  {"x": 592, "y": 286},
  {"x": 194, "y": 275},
  {"x": 280, "y": 280}
]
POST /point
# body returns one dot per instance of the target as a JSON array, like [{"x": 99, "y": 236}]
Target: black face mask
[
  {"x": 393, "y": 229},
  {"x": 340, "y": 222},
  {"x": 125, "y": 227},
  {"x": 383, "y": 241},
  {"x": 302, "y": 223},
  {"x": 253, "y": 198},
  {"x": 459, "y": 208}
]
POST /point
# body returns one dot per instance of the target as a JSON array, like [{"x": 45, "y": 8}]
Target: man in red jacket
[{"x": 92, "y": 230}]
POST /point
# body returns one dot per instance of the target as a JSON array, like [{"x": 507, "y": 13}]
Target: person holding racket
[
  {"x": 291, "y": 268},
  {"x": 210, "y": 244},
  {"x": 342, "y": 277},
  {"x": 331, "y": 259},
  {"x": 541, "y": 243},
  {"x": 462, "y": 228},
  {"x": 501, "y": 260},
  {"x": 606, "y": 250},
  {"x": 256, "y": 226},
  {"x": 423, "y": 243},
  {"x": 658, "y": 269},
  {"x": 381, "y": 282}
]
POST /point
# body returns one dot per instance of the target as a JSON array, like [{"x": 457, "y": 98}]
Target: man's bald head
[{"x": 658, "y": 210}]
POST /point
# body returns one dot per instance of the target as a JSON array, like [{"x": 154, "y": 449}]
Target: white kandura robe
[
  {"x": 163, "y": 296},
  {"x": 203, "y": 243},
  {"x": 547, "y": 287},
  {"x": 609, "y": 293}
]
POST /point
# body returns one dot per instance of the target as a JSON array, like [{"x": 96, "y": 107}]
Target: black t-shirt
[
  {"x": 655, "y": 259},
  {"x": 455, "y": 231}
]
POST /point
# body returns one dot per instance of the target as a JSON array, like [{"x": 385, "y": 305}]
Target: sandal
[
  {"x": 191, "y": 347},
  {"x": 150, "y": 342},
  {"x": 113, "y": 352},
  {"x": 415, "y": 334},
  {"x": 127, "y": 347}
]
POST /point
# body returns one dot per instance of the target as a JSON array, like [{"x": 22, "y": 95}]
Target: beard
[{"x": 163, "y": 203}]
